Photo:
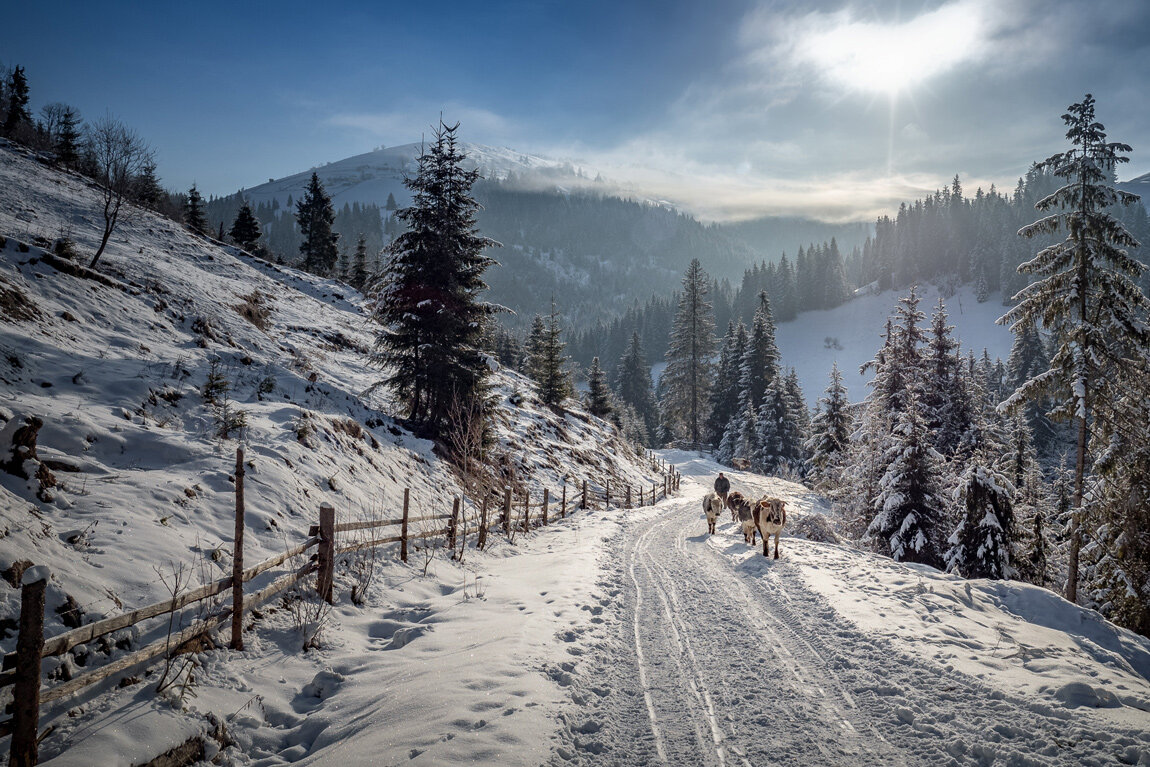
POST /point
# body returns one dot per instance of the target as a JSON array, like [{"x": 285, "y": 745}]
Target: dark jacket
[{"x": 722, "y": 485}]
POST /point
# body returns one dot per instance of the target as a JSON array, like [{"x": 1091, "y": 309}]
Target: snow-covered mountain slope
[
  {"x": 370, "y": 177},
  {"x": 116, "y": 369},
  {"x": 851, "y": 335}
]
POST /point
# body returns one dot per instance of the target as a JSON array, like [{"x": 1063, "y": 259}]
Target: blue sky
[{"x": 733, "y": 108}]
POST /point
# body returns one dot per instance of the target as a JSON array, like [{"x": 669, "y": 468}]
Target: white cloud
[{"x": 397, "y": 126}]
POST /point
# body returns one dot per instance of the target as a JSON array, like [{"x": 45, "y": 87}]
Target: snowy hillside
[
  {"x": 851, "y": 335},
  {"x": 118, "y": 369},
  {"x": 372, "y": 176}
]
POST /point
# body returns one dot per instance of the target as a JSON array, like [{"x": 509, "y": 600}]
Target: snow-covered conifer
[
  {"x": 634, "y": 383},
  {"x": 725, "y": 395},
  {"x": 1086, "y": 295},
  {"x": 687, "y": 379},
  {"x": 428, "y": 307},
  {"x": 830, "y": 430},
  {"x": 759, "y": 367},
  {"x": 598, "y": 394},
  {"x": 910, "y": 510},
  {"x": 194, "y": 217},
  {"x": 982, "y": 546},
  {"x": 314, "y": 217}
]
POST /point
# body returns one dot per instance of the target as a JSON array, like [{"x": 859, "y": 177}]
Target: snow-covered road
[{"x": 719, "y": 656}]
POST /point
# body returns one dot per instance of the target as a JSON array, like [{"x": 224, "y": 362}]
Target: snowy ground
[{"x": 716, "y": 655}]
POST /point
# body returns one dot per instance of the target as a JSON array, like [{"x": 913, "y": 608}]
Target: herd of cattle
[{"x": 764, "y": 517}]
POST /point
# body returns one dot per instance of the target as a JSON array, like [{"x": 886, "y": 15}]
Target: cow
[
  {"x": 732, "y": 501},
  {"x": 712, "y": 507},
  {"x": 769, "y": 514}
]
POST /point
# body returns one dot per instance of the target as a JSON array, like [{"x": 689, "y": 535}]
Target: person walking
[{"x": 722, "y": 487}]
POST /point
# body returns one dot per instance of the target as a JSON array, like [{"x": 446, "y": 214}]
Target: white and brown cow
[
  {"x": 770, "y": 514},
  {"x": 733, "y": 501},
  {"x": 743, "y": 509},
  {"x": 712, "y": 507}
]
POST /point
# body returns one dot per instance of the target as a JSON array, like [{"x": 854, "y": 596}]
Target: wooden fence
[{"x": 22, "y": 669}]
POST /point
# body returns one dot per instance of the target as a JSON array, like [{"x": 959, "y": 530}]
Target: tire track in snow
[{"x": 735, "y": 661}]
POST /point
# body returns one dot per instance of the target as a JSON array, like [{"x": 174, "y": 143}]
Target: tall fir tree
[
  {"x": 687, "y": 379},
  {"x": 194, "y": 216},
  {"x": 725, "y": 395},
  {"x": 68, "y": 139},
  {"x": 314, "y": 217},
  {"x": 830, "y": 430},
  {"x": 910, "y": 510},
  {"x": 245, "y": 230},
  {"x": 598, "y": 393},
  {"x": 429, "y": 306},
  {"x": 759, "y": 367},
  {"x": 634, "y": 383},
  {"x": 359, "y": 273},
  {"x": 1086, "y": 295},
  {"x": 1027, "y": 360},
  {"x": 982, "y": 546},
  {"x": 533, "y": 348},
  {"x": 17, "y": 116},
  {"x": 552, "y": 376}
]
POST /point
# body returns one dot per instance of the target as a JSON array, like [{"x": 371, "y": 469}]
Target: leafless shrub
[
  {"x": 362, "y": 563},
  {"x": 310, "y": 612}
]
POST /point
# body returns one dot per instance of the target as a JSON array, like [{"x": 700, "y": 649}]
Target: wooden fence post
[
  {"x": 653, "y": 498},
  {"x": 25, "y": 746},
  {"x": 238, "y": 558},
  {"x": 325, "y": 581},
  {"x": 546, "y": 497},
  {"x": 584, "y": 494},
  {"x": 453, "y": 526},
  {"x": 403, "y": 525},
  {"x": 563, "y": 508},
  {"x": 526, "y": 511},
  {"x": 482, "y": 523},
  {"x": 628, "y": 503},
  {"x": 507, "y": 511}
]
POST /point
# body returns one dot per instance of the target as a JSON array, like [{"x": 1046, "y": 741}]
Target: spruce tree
[
  {"x": 1086, "y": 295},
  {"x": 634, "y": 383},
  {"x": 17, "y": 115},
  {"x": 359, "y": 275},
  {"x": 245, "y": 229},
  {"x": 194, "y": 217},
  {"x": 598, "y": 394},
  {"x": 553, "y": 379},
  {"x": 428, "y": 308},
  {"x": 688, "y": 377},
  {"x": 910, "y": 510},
  {"x": 830, "y": 430},
  {"x": 68, "y": 138},
  {"x": 533, "y": 349},
  {"x": 759, "y": 367},
  {"x": 1027, "y": 360},
  {"x": 146, "y": 189},
  {"x": 314, "y": 217},
  {"x": 725, "y": 395},
  {"x": 982, "y": 546}
]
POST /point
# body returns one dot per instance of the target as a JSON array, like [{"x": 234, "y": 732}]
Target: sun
[{"x": 893, "y": 58}]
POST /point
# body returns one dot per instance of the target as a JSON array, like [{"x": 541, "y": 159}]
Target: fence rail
[{"x": 22, "y": 669}]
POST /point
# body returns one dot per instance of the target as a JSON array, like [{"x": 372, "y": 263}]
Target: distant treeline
[{"x": 946, "y": 238}]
